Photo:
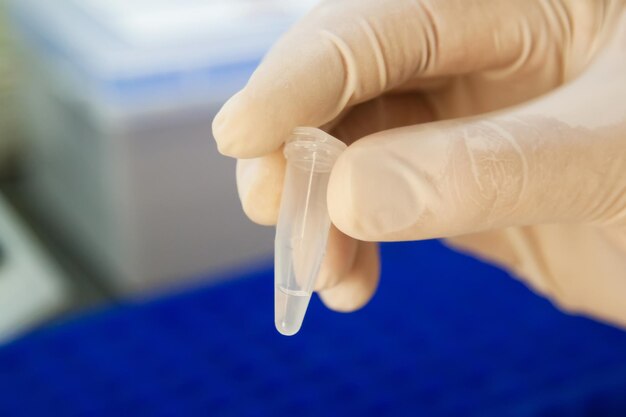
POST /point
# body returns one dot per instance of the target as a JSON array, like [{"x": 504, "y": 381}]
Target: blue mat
[{"x": 445, "y": 336}]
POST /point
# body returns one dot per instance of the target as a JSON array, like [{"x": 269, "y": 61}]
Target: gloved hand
[{"x": 513, "y": 145}]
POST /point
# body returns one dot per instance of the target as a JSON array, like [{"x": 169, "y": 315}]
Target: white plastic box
[{"x": 118, "y": 101}]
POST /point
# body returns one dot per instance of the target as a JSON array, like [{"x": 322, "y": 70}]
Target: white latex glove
[{"x": 514, "y": 147}]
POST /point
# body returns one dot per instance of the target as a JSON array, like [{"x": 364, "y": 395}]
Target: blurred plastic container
[
  {"x": 117, "y": 101},
  {"x": 8, "y": 132}
]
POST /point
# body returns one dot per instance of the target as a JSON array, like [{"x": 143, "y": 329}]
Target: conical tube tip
[{"x": 290, "y": 308}]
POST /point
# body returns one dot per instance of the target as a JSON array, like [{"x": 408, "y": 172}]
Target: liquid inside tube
[
  {"x": 291, "y": 307},
  {"x": 291, "y": 297},
  {"x": 303, "y": 224}
]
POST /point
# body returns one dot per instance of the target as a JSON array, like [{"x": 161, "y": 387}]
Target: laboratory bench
[{"x": 445, "y": 335}]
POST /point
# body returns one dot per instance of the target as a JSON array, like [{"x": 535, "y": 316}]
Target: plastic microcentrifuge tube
[{"x": 303, "y": 224}]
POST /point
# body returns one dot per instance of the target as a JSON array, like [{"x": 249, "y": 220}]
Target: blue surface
[{"x": 444, "y": 336}]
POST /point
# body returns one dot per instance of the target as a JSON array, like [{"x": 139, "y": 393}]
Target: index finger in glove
[{"x": 347, "y": 52}]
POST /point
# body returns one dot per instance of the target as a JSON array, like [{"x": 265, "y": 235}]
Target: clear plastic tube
[{"x": 303, "y": 224}]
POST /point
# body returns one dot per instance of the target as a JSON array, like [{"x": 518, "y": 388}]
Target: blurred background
[
  {"x": 131, "y": 283},
  {"x": 106, "y": 150}
]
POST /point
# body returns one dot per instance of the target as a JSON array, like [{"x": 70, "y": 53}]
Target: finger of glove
[
  {"x": 347, "y": 52},
  {"x": 383, "y": 113},
  {"x": 492, "y": 246},
  {"x": 260, "y": 180},
  {"x": 259, "y": 184},
  {"x": 358, "y": 286},
  {"x": 523, "y": 252},
  {"x": 516, "y": 249},
  {"x": 553, "y": 160},
  {"x": 339, "y": 260}
]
